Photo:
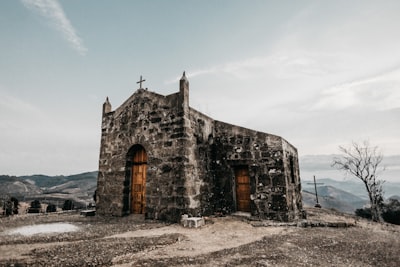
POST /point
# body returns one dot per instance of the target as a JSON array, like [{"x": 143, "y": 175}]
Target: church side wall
[
  {"x": 293, "y": 189},
  {"x": 263, "y": 155}
]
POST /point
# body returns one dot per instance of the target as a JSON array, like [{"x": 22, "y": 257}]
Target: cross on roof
[{"x": 140, "y": 82}]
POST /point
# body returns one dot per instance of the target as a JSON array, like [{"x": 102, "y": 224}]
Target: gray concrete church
[{"x": 161, "y": 158}]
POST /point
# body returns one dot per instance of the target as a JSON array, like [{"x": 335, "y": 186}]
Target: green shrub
[
  {"x": 68, "y": 205},
  {"x": 391, "y": 212},
  {"x": 51, "y": 208},
  {"x": 35, "y": 207},
  {"x": 364, "y": 213}
]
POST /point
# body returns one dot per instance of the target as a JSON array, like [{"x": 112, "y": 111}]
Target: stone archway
[{"x": 137, "y": 157}]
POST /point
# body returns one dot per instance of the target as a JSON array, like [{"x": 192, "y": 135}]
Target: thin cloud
[
  {"x": 380, "y": 92},
  {"x": 193, "y": 74},
  {"x": 240, "y": 69},
  {"x": 280, "y": 64},
  {"x": 54, "y": 13},
  {"x": 15, "y": 105},
  {"x": 15, "y": 113}
]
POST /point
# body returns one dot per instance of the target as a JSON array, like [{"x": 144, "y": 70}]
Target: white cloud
[
  {"x": 282, "y": 65},
  {"x": 53, "y": 11},
  {"x": 380, "y": 92}
]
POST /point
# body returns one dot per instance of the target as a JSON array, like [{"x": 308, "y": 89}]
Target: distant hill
[
  {"x": 320, "y": 165},
  {"x": 55, "y": 189},
  {"x": 50, "y": 181},
  {"x": 345, "y": 195},
  {"x": 353, "y": 186},
  {"x": 395, "y": 197},
  {"x": 333, "y": 198},
  {"x": 333, "y": 180},
  {"x": 12, "y": 185}
]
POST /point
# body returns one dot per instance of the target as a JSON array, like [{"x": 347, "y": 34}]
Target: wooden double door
[
  {"x": 138, "y": 182},
  {"x": 242, "y": 188}
]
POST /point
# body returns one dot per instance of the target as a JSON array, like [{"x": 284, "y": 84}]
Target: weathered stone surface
[{"x": 192, "y": 161}]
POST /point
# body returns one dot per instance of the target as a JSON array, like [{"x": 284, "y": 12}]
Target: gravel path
[{"x": 223, "y": 233}]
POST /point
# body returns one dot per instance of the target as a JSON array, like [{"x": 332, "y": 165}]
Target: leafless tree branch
[{"x": 364, "y": 162}]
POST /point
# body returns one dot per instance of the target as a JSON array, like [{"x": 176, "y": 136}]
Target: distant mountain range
[
  {"x": 320, "y": 166},
  {"x": 335, "y": 182},
  {"x": 353, "y": 186},
  {"x": 332, "y": 198},
  {"x": 51, "y": 189},
  {"x": 343, "y": 195},
  {"x": 346, "y": 196}
]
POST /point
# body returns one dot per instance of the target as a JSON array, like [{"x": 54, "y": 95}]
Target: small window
[{"x": 292, "y": 169}]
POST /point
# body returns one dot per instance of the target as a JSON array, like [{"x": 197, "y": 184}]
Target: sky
[{"x": 319, "y": 73}]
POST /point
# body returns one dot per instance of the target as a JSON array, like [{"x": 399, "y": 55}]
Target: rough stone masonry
[{"x": 161, "y": 158}]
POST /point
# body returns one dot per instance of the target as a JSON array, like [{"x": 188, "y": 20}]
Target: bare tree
[{"x": 363, "y": 161}]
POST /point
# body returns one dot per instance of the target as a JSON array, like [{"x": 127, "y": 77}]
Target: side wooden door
[
  {"x": 139, "y": 169},
  {"x": 242, "y": 189}
]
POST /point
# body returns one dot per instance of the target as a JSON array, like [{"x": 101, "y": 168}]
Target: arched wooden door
[
  {"x": 138, "y": 184},
  {"x": 242, "y": 189}
]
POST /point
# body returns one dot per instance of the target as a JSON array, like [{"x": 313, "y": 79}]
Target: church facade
[{"x": 161, "y": 158}]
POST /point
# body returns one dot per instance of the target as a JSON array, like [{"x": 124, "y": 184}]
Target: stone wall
[
  {"x": 200, "y": 179},
  {"x": 273, "y": 193},
  {"x": 156, "y": 123}
]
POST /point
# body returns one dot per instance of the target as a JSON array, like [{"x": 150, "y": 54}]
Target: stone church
[{"x": 161, "y": 158}]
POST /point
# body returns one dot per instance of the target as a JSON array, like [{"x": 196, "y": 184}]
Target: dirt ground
[{"x": 223, "y": 241}]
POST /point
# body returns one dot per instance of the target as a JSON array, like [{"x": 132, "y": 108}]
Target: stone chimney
[
  {"x": 106, "y": 107},
  {"x": 184, "y": 91}
]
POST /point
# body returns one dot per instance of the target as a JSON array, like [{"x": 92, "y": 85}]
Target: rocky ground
[{"x": 223, "y": 241}]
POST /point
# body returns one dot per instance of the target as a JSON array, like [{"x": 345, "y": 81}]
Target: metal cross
[
  {"x": 317, "y": 205},
  {"x": 140, "y": 82}
]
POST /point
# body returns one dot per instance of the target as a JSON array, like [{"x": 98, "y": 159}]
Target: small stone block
[
  {"x": 88, "y": 213},
  {"x": 193, "y": 222}
]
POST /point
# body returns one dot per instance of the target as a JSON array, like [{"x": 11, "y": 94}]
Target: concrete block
[
  {"x": 88, "y": 213},
  {"x": 192, "y": 222}
]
